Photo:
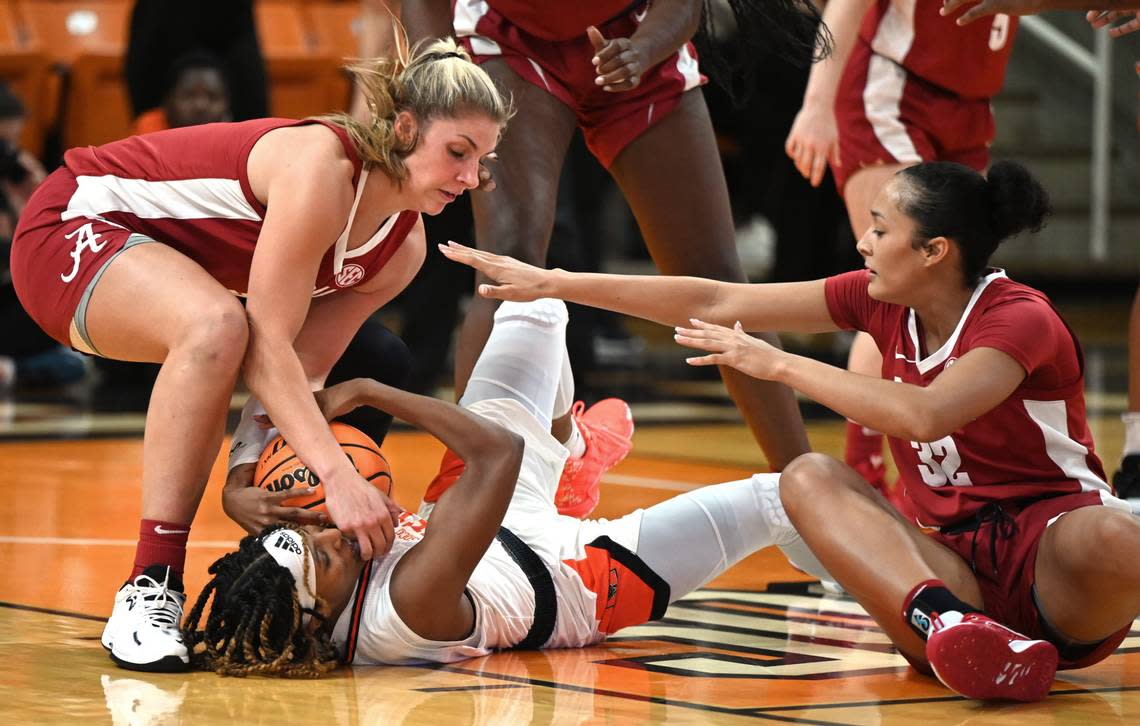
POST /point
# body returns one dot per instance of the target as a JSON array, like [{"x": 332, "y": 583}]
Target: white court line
[
  {"x": 644, "y": 482},
  {"x": 83, "y": 542}
]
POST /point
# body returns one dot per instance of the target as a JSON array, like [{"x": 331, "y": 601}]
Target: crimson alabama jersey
[
  {"x": 562, "y": 21},
  {"x": 969, "y": 61},
  {"x": 188, "y": 188},
  {"x": 1034, "y": 444}
]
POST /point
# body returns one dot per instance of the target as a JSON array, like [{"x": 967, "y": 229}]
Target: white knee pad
[{"x": 545, "y": 311}]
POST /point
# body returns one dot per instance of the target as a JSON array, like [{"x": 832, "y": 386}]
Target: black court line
[
  {"x": 448, "y": 689},
  {"x": 748, "y": 712},
  {"x": 50, "y": 611},
  {"x": 935, "y": 699}
]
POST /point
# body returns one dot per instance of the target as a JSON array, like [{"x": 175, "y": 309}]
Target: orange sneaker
[
  {"x": 450, "y": 468},
  {"x": 607, "y": 428}
]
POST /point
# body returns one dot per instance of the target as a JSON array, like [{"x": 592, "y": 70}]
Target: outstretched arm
[
  {"x": 977, "y": 383},
  {"x": 428, "y": 583},
  {"x": 793, "y": 306}
]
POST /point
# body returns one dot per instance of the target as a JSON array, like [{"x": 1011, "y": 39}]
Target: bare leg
[
  {"x": 198, "y": 331},
  {"x": 516, "y": 218},
  {"x": 1086, "y": 578},
  {"x": 688, "y": 228},
  {"x": 876, "y": 555}
]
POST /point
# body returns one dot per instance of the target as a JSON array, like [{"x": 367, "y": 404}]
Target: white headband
[{"x": 287, "y": 547}]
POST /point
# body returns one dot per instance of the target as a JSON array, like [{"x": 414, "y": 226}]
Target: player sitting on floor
[
  {"x": 499, "y": 567},
  {"x": 982, "y": 396}
]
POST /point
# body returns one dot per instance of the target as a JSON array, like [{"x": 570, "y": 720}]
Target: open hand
[
  {"x": 730, "y": 347},
  {"x": 982, "y": 8},
  {"x": 619, "y": 62},
  {"x": 516, "y": 281},
  {"x": 1105, "y": 18},
  {"x": 813, "y": 141}
]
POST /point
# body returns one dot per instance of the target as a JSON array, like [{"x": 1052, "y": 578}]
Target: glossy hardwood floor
[{"x": 762, "y": 643}]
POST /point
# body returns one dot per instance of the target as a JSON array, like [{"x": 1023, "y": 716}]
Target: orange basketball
[{"x": 278, "y": 468}]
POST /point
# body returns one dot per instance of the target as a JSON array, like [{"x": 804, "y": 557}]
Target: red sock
[
  {"x": 161, "y": 543},
  {"x": 863, "y": 452}
]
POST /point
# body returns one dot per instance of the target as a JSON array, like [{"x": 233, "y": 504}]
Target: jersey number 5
[{"x": 940, "y": 462}]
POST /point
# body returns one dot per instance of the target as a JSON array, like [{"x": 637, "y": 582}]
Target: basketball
[{"x": 278, "y": 468}]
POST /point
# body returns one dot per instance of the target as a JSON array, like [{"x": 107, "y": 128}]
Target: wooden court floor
[{"x": 761, "y": 644}]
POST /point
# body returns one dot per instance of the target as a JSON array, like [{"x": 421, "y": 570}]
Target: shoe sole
[
  {"x": 166, "y": 664},
  {"x": 979, "y": 663}
]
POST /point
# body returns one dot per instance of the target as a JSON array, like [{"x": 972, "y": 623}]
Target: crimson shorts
[
  {"x": 56, "y": 262},
  {"x": 1004, "y": 567},
  {"x": 609, "y": 121},
  {"x": 886, "y": 115}
]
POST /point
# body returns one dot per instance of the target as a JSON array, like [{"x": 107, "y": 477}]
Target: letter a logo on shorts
[{"x": 85, "y": 239}]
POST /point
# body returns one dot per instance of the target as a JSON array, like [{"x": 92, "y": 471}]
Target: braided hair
[
  {"x": 255, "y": 623},
  {"x": 736, "y": 35}
]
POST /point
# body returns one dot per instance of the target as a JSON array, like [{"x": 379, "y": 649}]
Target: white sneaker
[{"x": 142, "y": 633}]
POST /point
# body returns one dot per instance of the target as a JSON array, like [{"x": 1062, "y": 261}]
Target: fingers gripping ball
[{"x": 278, "y": 468}]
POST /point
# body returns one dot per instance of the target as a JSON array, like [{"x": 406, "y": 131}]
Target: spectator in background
[
  {"x": 27, "y": 355},
  {"x": 196, "y": 93},
  {"x": 162, "y": 31}
]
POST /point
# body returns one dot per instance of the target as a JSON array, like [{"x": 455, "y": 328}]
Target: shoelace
[{"x": 160, "y": 607}]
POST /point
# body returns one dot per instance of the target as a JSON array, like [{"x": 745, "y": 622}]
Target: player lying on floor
[
  {"x": 982, "y": 397},
  {"x": 499, "y": 567}
]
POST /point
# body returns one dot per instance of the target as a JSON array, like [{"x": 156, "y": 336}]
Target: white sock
[
  {"x": 1131, "y": 421},
  {"x": 575, "y": 443}
]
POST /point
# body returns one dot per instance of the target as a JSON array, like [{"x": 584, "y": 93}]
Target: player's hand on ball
[
  {"x": 362, "y": 513},
  {"x": 515, "y": 281},
  {"x": 731, "y": 347},
  {"x": 619, "y": 62},
  {"x": 254, "y": 508}
]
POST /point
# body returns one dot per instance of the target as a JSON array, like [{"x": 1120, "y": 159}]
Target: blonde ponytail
[{"x": 433, "y": 79}]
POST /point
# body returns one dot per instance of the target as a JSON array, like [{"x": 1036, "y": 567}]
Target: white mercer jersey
[{"x": 504, "y": 610}]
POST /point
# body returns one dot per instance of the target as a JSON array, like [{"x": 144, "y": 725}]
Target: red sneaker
[
  {"x": 978, "y": 658},
  {"x": 607, "y": 429}
]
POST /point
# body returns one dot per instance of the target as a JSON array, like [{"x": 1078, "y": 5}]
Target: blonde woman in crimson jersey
[
  {"x": 136, "y": 250},
  {"x": 1031, "y": 562}
]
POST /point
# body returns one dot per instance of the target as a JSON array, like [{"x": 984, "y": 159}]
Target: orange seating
[
  {"x": 336, "y": 27},
  {"x": 302, "y": 81},
  {"x": 25, "y": 69},
  {"x": 86, "y": 39},
  {"x": 67, "y": 29}
]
